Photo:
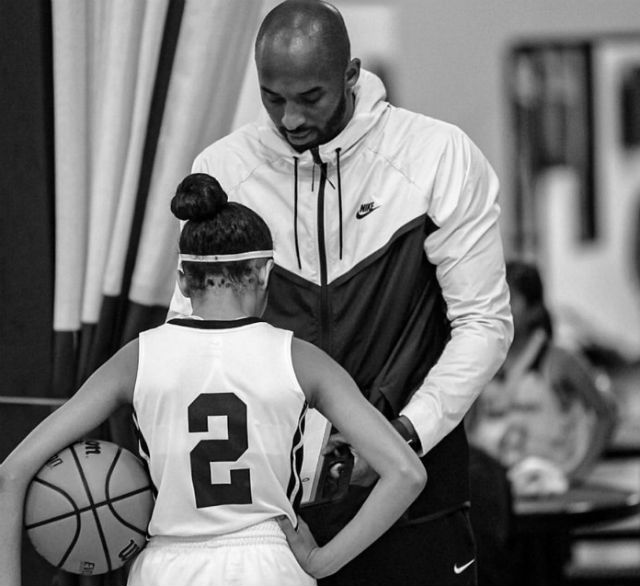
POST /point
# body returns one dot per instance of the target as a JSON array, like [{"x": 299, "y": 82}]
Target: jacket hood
[{"x": 370, "y": 104}]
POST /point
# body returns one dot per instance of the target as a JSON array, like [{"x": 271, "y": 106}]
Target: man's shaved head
[
  {"x": 303, "y": 27},
  {"x": 305, "y": 71}
]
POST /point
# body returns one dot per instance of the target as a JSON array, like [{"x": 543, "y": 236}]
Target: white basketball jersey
[{"x": 220, "y": 415}]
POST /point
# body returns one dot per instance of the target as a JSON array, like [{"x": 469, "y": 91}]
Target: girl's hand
[{"x": 302, "y": 544}]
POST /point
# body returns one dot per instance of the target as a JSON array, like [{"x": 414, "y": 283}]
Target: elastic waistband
[{"x": 265, "y": 532}]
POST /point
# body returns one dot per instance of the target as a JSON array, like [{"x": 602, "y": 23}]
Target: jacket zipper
[{"x": 324, "y": 296}]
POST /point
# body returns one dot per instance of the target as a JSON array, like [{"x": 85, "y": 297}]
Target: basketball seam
[
  {"x": 83, "y": 509},
  {"x": 109, "y": 501},
  {"x": 77, "y": 512},
  {"x": 92, "y": 507}
]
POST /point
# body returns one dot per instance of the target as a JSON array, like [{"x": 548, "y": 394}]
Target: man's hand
[{"x": 362, "y": 474}]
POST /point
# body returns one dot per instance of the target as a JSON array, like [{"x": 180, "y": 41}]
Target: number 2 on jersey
[{"x": 238, "y": 491}]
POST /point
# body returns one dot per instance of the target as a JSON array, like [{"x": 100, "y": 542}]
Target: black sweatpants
[{"x": 439, "y": 552}]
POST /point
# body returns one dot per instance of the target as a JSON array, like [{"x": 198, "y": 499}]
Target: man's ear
[
  {"x": 264, "y": 273},
  {"x": 352, "y": 73},
  {"x": 182, "y": 283}
]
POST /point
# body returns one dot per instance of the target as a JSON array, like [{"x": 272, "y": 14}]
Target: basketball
[{"x": 87, "y": 509}]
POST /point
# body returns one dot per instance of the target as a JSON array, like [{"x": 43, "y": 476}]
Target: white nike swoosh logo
[{"x": 459, "y": 569}]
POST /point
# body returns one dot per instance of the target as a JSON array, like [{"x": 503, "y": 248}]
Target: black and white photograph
[{"x": 320, "y": 293}]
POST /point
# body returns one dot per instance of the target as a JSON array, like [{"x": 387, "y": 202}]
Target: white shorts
[{"x": 256, "y": 556}]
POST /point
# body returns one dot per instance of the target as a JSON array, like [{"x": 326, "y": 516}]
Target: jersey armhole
[
  {"x": 139, "y": 369},
  {"x": 288, "y": 344}
]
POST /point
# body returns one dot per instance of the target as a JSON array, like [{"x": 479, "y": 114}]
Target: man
[{"x": 388, "y": 256}]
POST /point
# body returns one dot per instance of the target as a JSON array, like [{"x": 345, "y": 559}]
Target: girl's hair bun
[{"x": 199, "y": 197}]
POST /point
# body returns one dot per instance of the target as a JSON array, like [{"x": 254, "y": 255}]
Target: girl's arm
[
  {"x": 108, "y": 388},
  {"x": 333, "y": 392}
]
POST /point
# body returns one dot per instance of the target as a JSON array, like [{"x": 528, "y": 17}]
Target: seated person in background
[{"x": 543, "y": 416}]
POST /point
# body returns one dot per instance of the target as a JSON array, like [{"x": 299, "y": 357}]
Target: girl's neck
[{"x": 223, "y": 305}]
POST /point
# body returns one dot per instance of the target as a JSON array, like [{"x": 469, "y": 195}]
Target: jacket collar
[{"x": 370, "y": 104}]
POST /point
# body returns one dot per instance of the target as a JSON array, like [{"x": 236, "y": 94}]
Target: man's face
[{"x": 308, "y": 105}]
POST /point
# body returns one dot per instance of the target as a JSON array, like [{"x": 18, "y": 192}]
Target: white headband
[{"x": 226, "y": 257}]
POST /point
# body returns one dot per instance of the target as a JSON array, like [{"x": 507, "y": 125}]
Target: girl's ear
[
  {"x": 264, "y": 272},
  {"x": 182, "y": 283}
]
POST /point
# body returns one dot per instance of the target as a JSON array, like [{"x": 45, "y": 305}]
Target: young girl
[{"x": 219, "y": 401}]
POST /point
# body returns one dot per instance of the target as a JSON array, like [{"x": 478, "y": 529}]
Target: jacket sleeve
[{"x": 468, "y": 254}]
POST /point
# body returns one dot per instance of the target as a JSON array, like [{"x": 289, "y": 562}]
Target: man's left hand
[{"x": 362, "y": 474}]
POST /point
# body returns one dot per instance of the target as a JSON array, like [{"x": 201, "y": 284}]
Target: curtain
[{"x": 138, "y": 88}]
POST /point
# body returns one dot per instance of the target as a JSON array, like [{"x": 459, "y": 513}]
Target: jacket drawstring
[
  {"x": 295, "y": 210},
  {"x": 339, "y": 196},
  {"x": 295, "y": 199}
]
